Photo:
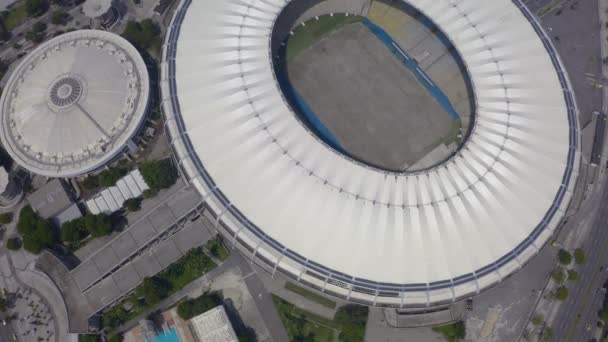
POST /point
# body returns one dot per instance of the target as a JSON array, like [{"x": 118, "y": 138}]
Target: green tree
[
  {"x": 153, "y": 290},
  {"x": 91, "y": 182},
  {"x": 13, "y": 244},
  {"x": 558, "y": 275},
  {"x": 114, "y": 317},
  {"x": 115, "y": 338},
  {"x": 6, "y": 218},
  {"x": 109, "y": 177},
  {"x": 132, "y": 204},
  {"x": 143, "y": 35},
  {"x": 159, "y": 174},
  {"x": 573, "y": 275},
  {"x": 89, "y": 338},
  {"x": 194, "y": 307},
  {"x": 73, "y": 231},
  {"x": 37, "y": 233},
  {"x": 579, "y": 256},
  {"x": 36, "y": 8},
  {"x": 37, "y": 33},
  {"x": 561, "y": 293},
  {"x": 98, "y": 225},
  {"x": 60, "y": 18},
  {"x": 564, "y": 257},
  {"x": 452, "y": 332}
]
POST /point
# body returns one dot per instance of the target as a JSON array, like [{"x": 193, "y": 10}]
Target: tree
[
  {"x": 37, "y": 33},
  {"x": 115, "y": 338},
  {"x": 603, "y": 313},
  {"x": 561, "y": 293},
  {"x": 98, "y": 225},
  {"x": 36, "y": 8},
  {"x": 537, "y": 319},
  {"x": 132, "y": 204},
  {"x": 198, "y": 305},
  {"x": 60, "y": 18},
  {"x": 37, "y": 233},
  {"x": 6, "y": 218},
  {"x": 114, "y": 317},
  {"x": 109, "y": 177},
  {"x": 159, "y": 174},
  {"x": 149, "y": 193},
  {"x": 143, "y": 35},
  {"x": 564, "y": 257},
  {"x": 153, "y": 290},
  {"x": 558, "y": 275},
  {"x": 89, "y": 338},
  {"x": 91, "y": 182},
  {"x": 452, "y": 332},
  {"x": 13, "y": 244},
  {"x": 573, "y": 275},
  {"x": 579, "y": 256},
  {"x": 73, "y": 231}
]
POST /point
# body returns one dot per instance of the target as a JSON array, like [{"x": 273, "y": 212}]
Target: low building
[
  {"x": 55, "y": 202},
  {"x": 214, "y": 326}
]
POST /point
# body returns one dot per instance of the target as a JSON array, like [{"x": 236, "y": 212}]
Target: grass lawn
[
  {"x": 17, "y": 15},
  {"x": 299, "y": 323},
  {"x": 305, "y": 36},
  {"x": 317, "y": 298},
  {"x": 349, "y": 322}
]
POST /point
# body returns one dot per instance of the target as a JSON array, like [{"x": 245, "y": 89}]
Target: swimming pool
[{"x": 168, "y": 336}]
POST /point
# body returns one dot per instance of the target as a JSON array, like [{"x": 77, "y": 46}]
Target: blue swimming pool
[{"x": 168, "y": 336}]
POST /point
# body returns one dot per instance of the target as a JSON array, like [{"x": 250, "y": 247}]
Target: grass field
[
  {"x": 348, "y": 324},
  {"x": 16, "y": 15},
  {"x": 300, "y": 324},
  {"x": 310, "y": 295},
  {"x": 305, "y": 36}
]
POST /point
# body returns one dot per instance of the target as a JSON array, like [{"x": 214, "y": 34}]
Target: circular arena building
[
  {"x": 297, "y": 205},
  {"x": 72, "y": 105}
]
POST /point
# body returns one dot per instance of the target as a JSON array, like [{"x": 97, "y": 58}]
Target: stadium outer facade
[{"x": 296, "y": 206}]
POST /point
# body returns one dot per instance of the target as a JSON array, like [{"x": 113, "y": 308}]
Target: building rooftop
[
  {"x": 214, "y": 326},
  {"x": 50, "y": 200},
  {"x": 73, "y": 103}
]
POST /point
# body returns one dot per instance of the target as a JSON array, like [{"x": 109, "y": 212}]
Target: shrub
[
  {"x": 159, "y": 174},
  {"x": 6, "y": 218},
  {"x": 89, "y": 338},
  {"x": 573, "y": 275},
  {"x": 60, "y": 18},
  {"x": 149, "y": 193},
  {"x": 537, "y": 319},
  {"x": 114, "y": 317},
  {"x": 37, "y": 33},
  {"x": 13, "y": 244},
  {"x": 579, "y": 256},
  {"x": 564, "y": 257}
]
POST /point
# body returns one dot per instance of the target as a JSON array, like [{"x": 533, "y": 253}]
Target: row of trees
[{"x": 95, "y": 225}]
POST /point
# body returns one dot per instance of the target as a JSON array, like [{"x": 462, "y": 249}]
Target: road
[{"x": 584, "y": 300}]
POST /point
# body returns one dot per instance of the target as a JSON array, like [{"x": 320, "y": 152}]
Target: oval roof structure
[
  {"x": 71, "y": 105},
  {"x": 363, "y": 234}
]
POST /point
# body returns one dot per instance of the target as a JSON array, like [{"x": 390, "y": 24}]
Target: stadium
[{"x": 480, "y": 126}]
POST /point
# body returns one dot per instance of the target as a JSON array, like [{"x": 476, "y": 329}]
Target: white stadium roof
[
  {"x": 71, "y": 105},
  {"x": 368, "y": 235}
]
